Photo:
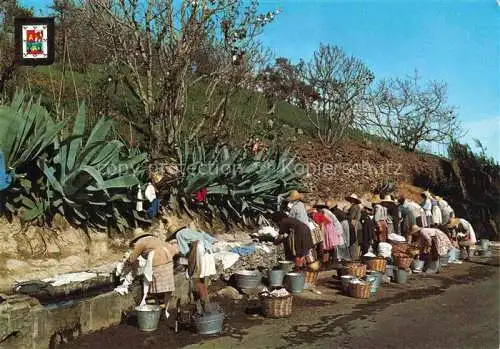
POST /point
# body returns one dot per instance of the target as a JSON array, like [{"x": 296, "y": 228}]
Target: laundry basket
[
  {"x": 377, "y": 264},
  {"x": 276, "y": 307},
  {"x": 358, "y": 270}
]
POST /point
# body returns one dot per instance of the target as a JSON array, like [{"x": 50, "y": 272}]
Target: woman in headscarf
[
  {"x": 437, "y": 216},
  {"x": 355, "y": 227},
  {"x": 297, "y": 208},
  {"x": 427, "y": 206},
  {"x": 408, "y": 218},
  {"x": 343, "y": 251},
  {"x": 380, "y": 220},
  {"x": 296, "y": 238},
  {"x": 446, "y": 210},
  {"x": 432, "y": 242},
  {"x": 160, "y": 257},
  {"x": 332, "y": 233},
  {"x": 465, "y": 233}
]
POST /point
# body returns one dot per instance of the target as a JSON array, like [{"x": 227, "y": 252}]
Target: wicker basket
[
  {"x": 276, "y": 307},
  {"x": 377, "y": 264},
  {"x": 401, "y": 247},
  {"x": 403, "y": 261},
  {"x": 312, "y": 277},
  {"x": 358, "y": 270},
  {"x": 360, "y": 290},
  {"x": 348, "y": 263}
]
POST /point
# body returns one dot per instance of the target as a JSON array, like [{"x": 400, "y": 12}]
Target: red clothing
[
  {"x": 201, "y": 195},
  {"x": 320, "y": 218}
]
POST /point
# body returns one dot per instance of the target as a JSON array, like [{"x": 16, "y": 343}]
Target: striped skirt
[{"x": 163, "y": 279}]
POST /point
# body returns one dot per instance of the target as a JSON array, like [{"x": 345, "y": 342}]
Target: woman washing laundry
[
  {"x": 432, "y": 242},
  {"x": 464, "y": 233},
  {"x": 296, "y": 238},
  {"x": 197, "y": 246},
  {"x": 159, "y": 270}
]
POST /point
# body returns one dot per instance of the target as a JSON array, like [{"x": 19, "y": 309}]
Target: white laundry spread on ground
[
  {"x": 65, "y": 279},
  {"x": 228, "y": 259}
]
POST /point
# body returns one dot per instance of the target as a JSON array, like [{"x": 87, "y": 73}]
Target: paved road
[
  {"x": 458, "y": 308},
  {"x": 464, "y": 315}
]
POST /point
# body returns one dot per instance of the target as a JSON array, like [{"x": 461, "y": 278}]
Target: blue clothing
[
  {"x": 243, "y": 250},
  {"x": 5, "y": 178},
  {"x": 154, "y": 208},
  {"x": 186, "y": 235}
]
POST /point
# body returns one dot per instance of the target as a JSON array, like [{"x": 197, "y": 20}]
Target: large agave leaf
[{"x": 76, "y": 139}]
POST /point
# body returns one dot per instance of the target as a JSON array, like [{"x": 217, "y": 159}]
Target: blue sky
[{"x": 457, "y": 41}]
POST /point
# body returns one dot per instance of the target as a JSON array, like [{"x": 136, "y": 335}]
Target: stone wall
[{"x": 25, "y": 324}]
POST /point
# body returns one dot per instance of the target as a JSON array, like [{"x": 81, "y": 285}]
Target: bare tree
[
  {"x": 154, "y": 44},
  {"x": 409, "y": 113},
  {"x": 341, "y": 82}
]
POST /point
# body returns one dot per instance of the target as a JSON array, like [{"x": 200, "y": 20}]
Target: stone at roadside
[{"x": 230, "y": 292}]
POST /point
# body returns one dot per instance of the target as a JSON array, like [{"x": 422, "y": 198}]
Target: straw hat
[
  {"x": 388, "y": 201},
  {"x": 438, "y": 198},
  {"x": 353, "y": 198},
  {"x": 174, "y": 227},
  {"x": 376, "y": 199},
  {"x": 414, "y": 229},
  {"x": 453, "y": 223},
  {"x": 426, "y": 194},
  {"x": 331, "y": 203},
  {"x": 139, "y": 233},
  {"x": 294, "y": 195}
]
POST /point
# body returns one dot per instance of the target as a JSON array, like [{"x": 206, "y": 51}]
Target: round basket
[
  {"x": 358, "y": 270},
  {"x": 401, "y": 247},
  {"x": 276, "y": 307},
  {"x": 377, "y": 264},
  {"x": 403, "y": 261},
  {"x": 360, "y": 290}
]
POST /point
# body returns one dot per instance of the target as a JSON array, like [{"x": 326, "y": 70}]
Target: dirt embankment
[{"x": 356, "y": 167}]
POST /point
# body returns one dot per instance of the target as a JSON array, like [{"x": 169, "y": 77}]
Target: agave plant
[
  {"x": 27, "y": 133},
  {"x": 90, "y": 178},
  {"x": 240, "y": 185},
  {"x": 86, "y": 179}
]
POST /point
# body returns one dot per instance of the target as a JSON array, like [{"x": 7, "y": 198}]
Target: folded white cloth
[
  {"x": 396, "y": 237},
  {"x": 268, "y": 230}
]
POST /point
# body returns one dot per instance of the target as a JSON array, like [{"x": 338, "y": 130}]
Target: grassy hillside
[{"x": 62, "y": 92}]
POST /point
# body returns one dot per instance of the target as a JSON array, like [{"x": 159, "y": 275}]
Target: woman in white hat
[
  {"x": 393, "y": 215},
  {"x": 465, "y": 234}
]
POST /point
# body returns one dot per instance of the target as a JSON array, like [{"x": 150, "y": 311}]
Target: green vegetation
[{"x": 86, "y": 179}]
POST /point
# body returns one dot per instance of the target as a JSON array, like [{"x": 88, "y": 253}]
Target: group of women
[{"x": 325, "y": 232}]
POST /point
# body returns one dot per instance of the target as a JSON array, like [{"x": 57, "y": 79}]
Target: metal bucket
[
  {"x": 378, "y": 276},
  {"x": 401, "y": 276},
  {"x": 432, "y": 267},
  {"x": 372, "y": 279},
  {"x": 443, "y": 260},
  {"x": 275, "y": 277},
  {"x": 389, "y": 270},
  {"x": 209, "y": 323},
  {"x": 485, "y": 244},
  {"x": 247, "y": 279},
  {"x": 417, "y": 265},
  {"x": 295, "y": 282},
  {"x": 345, "y": 279},
  {"x": 148, "y": 317},
  {"x": 287, "y": 266}
]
